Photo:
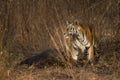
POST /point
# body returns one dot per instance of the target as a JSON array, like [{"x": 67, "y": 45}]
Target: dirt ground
[{"x": 107, "y": 68}]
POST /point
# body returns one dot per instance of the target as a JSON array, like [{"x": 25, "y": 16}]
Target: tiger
[{"x": 79, "y": 38}]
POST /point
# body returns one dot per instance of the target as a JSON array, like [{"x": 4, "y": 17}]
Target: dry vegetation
[{"x": 29, "y": 27}]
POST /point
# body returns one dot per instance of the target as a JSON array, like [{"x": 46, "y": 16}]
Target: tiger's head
[{"x": 71, "y": 30}]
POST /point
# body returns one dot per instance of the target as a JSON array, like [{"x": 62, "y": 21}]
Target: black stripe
[{"x": 77, "y": 48}]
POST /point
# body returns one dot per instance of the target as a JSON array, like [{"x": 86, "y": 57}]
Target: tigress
[{"x": 78, "y": 38}]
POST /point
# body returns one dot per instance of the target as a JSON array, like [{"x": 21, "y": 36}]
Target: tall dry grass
[{"x": 28, "y": 27}]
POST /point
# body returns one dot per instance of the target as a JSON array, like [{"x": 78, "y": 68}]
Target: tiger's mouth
[{"x": 66, "y": 35}]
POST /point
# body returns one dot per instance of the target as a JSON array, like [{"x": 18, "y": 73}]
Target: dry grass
[
  {"x": 28, "y": 27},
  {"x": 4, "y": 70}
]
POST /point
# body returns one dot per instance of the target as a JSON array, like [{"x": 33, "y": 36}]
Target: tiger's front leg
[
  {"x": 91, "y": 54},
  {"x": 74, "y": 54}
]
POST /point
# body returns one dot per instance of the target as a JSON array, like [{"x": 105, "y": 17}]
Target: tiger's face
[{"x": 70, "y": 31}]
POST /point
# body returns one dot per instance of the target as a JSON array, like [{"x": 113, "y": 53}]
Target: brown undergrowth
[{"x": 30, "y": 27}]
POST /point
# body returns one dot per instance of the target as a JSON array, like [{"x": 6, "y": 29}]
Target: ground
[{"x": 107, "y": 68}]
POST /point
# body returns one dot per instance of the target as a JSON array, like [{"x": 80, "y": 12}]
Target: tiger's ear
[
  {"x": 67, "y": 22},
  {"x": 76, "y": 22}
]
